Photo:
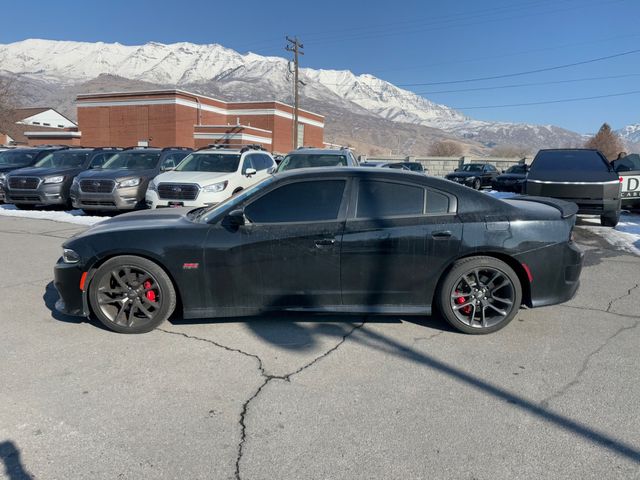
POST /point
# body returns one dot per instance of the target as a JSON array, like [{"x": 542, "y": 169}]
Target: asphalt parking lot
[{"x": 553, "y": 395}]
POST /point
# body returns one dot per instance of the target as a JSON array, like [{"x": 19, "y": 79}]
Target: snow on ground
[
  {"x": 626, "y": 235},
  {"x": 76, "y": 217}
]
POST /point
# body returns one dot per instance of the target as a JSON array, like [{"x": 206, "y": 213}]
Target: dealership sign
[{"x": 631, "y": 186}]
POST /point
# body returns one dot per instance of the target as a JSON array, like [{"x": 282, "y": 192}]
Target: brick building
[{"x": 164, "y": 118}]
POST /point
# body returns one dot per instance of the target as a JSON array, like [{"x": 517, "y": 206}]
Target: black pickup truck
[{"x": 579, "y": 175}]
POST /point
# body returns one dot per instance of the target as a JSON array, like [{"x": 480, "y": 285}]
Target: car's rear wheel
[
  {"x": 480, "y": 295},
  {"x": 131, "y": 294},
  {"x": 610, "y": 219},
  {"x": 477, "y": 184}
]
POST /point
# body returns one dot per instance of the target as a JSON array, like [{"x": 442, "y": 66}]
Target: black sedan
[
  {"x": 512, "y": 180},
  {"x": 474, "y": 175},
  {"x": 345, "y": 240}
]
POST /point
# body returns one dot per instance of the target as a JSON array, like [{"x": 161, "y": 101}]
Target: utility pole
[{"x": 294, "y": 45}]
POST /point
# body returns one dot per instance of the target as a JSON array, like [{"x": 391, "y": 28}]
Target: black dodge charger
[{"x": 345, "y": 240}]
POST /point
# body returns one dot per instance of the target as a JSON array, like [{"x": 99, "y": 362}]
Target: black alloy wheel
[
  {"x": 131, "y": 294},
  {"x": 477, "y": 184},
  {"x": 480, "y": 295}
]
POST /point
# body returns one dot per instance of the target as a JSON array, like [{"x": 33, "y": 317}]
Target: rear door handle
[
  {"x": 441, "y": 234},
  {"x": 325, "y": 242}
]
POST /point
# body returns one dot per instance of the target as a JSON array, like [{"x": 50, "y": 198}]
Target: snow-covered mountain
[
  {"x": 630, "y": 133},
  {"x": 216, "y": 69}
]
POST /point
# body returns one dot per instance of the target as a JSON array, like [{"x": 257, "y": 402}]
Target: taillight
[{"x": 621, "y": 179}]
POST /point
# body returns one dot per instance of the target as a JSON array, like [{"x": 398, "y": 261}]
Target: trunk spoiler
[{"x": 567, "y": 209}]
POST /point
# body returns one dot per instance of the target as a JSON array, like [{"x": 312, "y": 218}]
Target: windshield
[
  {"x": 471, "y": 167},
  {"x": 207, "y": 214},
  {"x": 209, "y": 162},
  {"x": 133, "y": 160},
  {"x": 301, "y": 160},
  {"x": 64, "y": 158},
  {"x": 563, "y": 160},
  {"x": 15, "y": 158},
  {"x": 517, "y": 169}
]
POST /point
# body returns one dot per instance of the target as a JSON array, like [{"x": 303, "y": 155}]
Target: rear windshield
[
  {"x": 64, "y": 158},
  {"x": 517, "y": 169},
  {"x": 563, "y": 160},
  {"x": 14, "y": 158},
  {"x": 209, "y": 162},
  {"x": 133, "y": 160},
  {"x": 299, "y": 160}
]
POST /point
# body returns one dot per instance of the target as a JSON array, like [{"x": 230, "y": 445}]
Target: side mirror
[
  {"x": 272, "y": 170},
  {"x": 167, "y": 169},
  {"x": 235, "y": 218},
  {"x": 250, "y": 171}
]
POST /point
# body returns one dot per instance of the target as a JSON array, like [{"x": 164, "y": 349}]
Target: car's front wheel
[
  {"x": 479, "y": 295},
  {"x": 477, "y": 184},
  {"x": 131, "y": 294}
]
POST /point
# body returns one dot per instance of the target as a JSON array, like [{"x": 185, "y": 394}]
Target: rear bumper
[
  {"x": 556, "y": 273},
  {"x": 66, "y": 279}
]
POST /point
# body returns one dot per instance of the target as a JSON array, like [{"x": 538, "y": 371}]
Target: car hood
[
  {"x": 98, "y": 174},
  {"x": 201, "y": 178},
  {"x": 463, "y": 174},
  {"x": 9, "y": 168},
  {"x": 511, "y": 176},
  {"x": 46, "y": 171}
]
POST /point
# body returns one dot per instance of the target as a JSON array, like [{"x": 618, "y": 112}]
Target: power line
[
  {"x": 548, "y": 102},
  {"x": 517, "y": 74}
]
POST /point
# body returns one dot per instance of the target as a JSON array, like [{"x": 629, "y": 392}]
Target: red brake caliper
[
  {"x": 151, "y": 295},
  {"x": 460, "y": 300}
]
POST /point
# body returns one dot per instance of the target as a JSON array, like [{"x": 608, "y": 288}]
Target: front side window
[
  {"x": 62, "y": 159},
  {"x": 133, "y": 160},
  {"x": 312, "y": 201},
  {"x": 303, "y": 160},
  {"x": 378, "y": 199}
]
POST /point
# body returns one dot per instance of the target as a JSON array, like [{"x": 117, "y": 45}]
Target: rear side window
[
  {"x": 563, "y": 160},
  {"x": 437, "y": 202},
  {"x": 298, "y": 202},
  {"x": 385, "y": 199}
]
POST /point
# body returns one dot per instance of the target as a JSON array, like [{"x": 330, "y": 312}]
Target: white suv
[{"x": 208, "y": 176}]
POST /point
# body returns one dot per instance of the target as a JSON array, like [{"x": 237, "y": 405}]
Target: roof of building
[{"x": 10, "y": 127}]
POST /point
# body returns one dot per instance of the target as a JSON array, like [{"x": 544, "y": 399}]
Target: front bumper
[
  {"x": 129, "y": 198},
  {"x": 556, "y": 273},
  {"x": 467, "y": 181},
  {"x": 45, "y": 194},
  {"x": 72, "y": 299}
]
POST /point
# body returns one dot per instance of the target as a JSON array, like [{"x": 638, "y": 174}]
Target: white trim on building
[{"x": 232, "y": 136}]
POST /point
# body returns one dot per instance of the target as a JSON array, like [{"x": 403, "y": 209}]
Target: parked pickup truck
[{"x": 629, "y": 170}]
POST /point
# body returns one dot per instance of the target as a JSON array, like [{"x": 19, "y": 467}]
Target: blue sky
[{"x": 405, "y": 42}]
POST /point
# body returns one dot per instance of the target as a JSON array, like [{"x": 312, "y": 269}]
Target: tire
[
  {"x": 610, "y": 219},
  {"x": 477, "y": 184},
  {"x": 457, "y": 295},
  {"x": 24, "y": 206},
  {"x": 148, "y": 293}
]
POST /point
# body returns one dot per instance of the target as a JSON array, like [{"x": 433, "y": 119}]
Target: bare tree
[
  {"x": 607, "y": 141},
  {"x": 6, "y": 103},
  {"x": 446, "y": 148},
  {"x": 510, "y": 151}
]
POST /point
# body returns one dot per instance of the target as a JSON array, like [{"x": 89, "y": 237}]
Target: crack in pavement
[
  {"x": 266, "y": 376},
  {"x": 591, "y": 309},
  {"x": 622, "y": 296},
  {"x": 585, "y": 365}
]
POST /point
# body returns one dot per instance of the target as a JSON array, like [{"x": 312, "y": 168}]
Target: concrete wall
[{"x": 440, "y": 166}]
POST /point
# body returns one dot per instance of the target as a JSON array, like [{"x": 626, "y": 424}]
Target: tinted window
[
  {"x": 517, "y": 169},
  {"x": 133, "y": 160},
  {"x": 263, "y": 161},
  {"x": 299, "y": 160},
  {"x": 172, "y": 159},
  {"x": 437, "y": 202},
  {"x": 298, "y": 202},
  {"x": 627, "y": 164},
  {"x": 209, "y": 162},
  {"x": 17, "y": 157},
  {"x": 248, "y": 163},
  {"x": 64, "y": 158},
  {"x": 490, "y": 168},
  {"x": 384, "y": 199},
  {"x": 471, "y": 167},
  {"x": 562, "y": 160}
]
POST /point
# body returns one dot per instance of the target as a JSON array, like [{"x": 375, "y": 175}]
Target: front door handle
[
  {"x": 441, "y": 234},
  {"x": 325, "y": 242}
]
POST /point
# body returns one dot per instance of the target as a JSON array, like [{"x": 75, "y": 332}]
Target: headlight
[
  {"x": 75, "y": 181},
  {"x": 70, "y": 256},
  {"x": 57, "y": 179},
  {"x": 471, "y": 179},
  {"x": 2, "y": 176},
  {"x": 152, "y": 186},
  {"x": 215, "y": 187},
  {"x": 132, "y": 182}
]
